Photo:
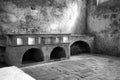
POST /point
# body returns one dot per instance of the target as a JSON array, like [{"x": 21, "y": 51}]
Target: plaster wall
[
  {"x": 42, "y": 16},
  {"x": 104, "y": 23}
]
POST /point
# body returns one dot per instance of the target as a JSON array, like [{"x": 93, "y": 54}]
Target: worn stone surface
[{"x": 83, "y": 67}]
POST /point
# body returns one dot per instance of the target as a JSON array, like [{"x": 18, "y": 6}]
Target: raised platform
[{"x": 13, "y": 73}]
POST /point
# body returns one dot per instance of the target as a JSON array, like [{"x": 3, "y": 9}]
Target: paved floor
[{"x": 83, "y": 67}]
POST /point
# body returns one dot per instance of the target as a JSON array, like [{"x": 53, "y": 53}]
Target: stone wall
[
  {"x": 104, "y": 24},
  {"x": 65, "y": 16},
  {"x": 42, "y": 16}
]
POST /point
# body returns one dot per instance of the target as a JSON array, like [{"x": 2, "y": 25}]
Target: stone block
[{"x": 13, "y": 73}]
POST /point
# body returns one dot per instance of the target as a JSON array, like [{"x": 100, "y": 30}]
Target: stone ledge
[{"x": 13, "y": 73}]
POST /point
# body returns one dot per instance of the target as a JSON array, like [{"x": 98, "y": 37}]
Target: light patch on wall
[
  {"x": 12, "y": 17},
  {"x": 31, "y": 41},
  {"x": 72, "y": 14},
  {"x": 19, "y": 41},
  {"x": 44, "y": 19},
  {"x": 53, "y": 26},
  {"x": 34, "y": 12},
  {"x": 101, "y": 1},
  {"x": 66, "y": 23},
  {"x": 65, "y": 39}
]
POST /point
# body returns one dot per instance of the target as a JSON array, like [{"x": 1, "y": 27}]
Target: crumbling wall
[
  {"x": 42, "y": 16},
  {"x": 104, "y": 23}
]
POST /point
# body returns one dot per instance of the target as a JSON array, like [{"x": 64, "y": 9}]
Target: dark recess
[
  {"x": 79, "y": 47},
  {"x": 33, "y": 55},
  {"x": 57, "y": 53}
]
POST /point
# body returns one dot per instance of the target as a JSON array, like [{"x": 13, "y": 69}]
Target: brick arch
[
  {"x": 33, "y": 55},
  {"x": 78, "y": 47},
  {"x": 58, "y": 53}
]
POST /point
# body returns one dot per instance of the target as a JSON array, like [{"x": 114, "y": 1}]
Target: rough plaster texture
[
  {"x": 14, "y": 73},
  {"x": 103, "y": 22},
  {"x": 42, "y": 16}
]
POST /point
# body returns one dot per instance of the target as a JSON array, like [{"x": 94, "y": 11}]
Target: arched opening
[
  {"x": 57, "y": 53},
  {"x": 32, "y": 55},
  {"x": 79, "y": 47}
]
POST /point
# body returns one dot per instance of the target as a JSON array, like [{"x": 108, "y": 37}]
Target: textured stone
[
  {"x": 95, "y": 68},
  {"x": 103, "y": 22},
  {"x": 42, "y": 16}
]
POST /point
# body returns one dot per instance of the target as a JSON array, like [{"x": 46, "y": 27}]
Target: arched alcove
[
  {"x": 79, "y": 47},
  {"x": 33, "y": 55},
  {"x": 57, "y": 53}
]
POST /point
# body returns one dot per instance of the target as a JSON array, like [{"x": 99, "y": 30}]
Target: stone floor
[{"x": 82, "y": 67}]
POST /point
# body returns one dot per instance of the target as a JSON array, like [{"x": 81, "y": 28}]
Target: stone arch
[
  {"x": 33, "y": 55},
  {"x": 79, "y": 47},
  {"x": 58, "y": 53}
]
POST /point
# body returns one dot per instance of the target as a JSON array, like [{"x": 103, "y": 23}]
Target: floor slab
[{"x": 82, "y": 67}]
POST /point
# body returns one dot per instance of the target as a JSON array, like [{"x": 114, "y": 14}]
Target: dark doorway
[
  {"x": 33, "y": 55},
  {"x": 57, "y": 53},
  {"x": 79, "y": 47}
]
